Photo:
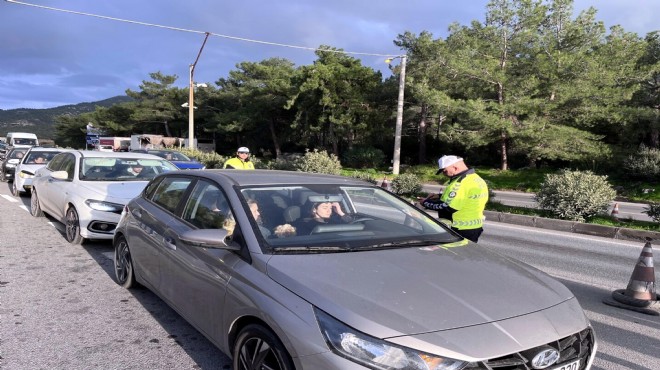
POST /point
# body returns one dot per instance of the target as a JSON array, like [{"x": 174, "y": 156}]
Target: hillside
[{"x": 42, "y": 121}]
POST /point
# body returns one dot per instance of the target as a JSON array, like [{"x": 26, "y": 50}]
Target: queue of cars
[{"x": 385, "y": 287}]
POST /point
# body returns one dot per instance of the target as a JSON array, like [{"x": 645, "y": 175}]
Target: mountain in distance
[{"x": 42, "y": 121}]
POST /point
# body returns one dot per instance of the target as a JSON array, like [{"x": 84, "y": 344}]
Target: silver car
[
  {"x": 287, "y": 270},
  {"x": 35, "y": 158},
  {"x": 87, "y": 190}
]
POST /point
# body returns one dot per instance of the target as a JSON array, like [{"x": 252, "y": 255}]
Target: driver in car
[{"x": 322, "y": 213}]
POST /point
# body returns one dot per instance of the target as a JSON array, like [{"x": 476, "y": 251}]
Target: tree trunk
[
  {"x": 273, "y": 135},
  {"x": 167, "y": 129},
  {"x": 421, "y": 135},
  {"x": 503, "y": 145}
]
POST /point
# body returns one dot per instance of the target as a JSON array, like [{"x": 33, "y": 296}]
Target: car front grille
[{"x": 577, "y": 346}]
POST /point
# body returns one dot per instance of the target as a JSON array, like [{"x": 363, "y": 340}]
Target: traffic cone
[
  {"x": 640, "y": 293},
  {"x": 615, "y": 210},
  {"x": 385, "y": 184},
  {"x": 642, "y": 281}
]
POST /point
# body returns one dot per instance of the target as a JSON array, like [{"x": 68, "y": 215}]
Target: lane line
[{"x": 9, "y": 198}]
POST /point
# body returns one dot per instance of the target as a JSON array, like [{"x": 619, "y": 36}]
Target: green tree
[{"x": 333, "y": 100}]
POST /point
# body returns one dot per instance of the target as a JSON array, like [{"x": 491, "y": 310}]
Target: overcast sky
[{"x": 51, "y": 58}]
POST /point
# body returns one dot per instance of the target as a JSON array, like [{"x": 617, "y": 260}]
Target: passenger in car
[{"x": 254, "y": 208}]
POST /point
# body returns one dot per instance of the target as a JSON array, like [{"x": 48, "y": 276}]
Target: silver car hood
[
  {"x": 388, "y": 293},
  {"x": 114, "y": 191}
]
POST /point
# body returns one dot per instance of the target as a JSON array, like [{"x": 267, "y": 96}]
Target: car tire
[
  {"x": 3, "y": 177},
  {"x": 124, "y": 271},
  {"x": 14, "y": 190},
  {"x": 72, "y": 227},
  {"x": 35, "y": 208},
  {"x": 255, "y": 339}
]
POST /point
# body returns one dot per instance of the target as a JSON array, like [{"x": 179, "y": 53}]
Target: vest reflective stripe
[{"x": 468, "y": 196}]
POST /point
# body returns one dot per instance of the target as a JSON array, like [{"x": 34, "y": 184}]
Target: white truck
[{"x": 22, "y": 139}]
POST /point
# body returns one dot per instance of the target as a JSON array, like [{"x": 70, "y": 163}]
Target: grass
[{"x": 599, "y": 220}]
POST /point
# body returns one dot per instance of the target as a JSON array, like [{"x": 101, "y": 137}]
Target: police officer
[
  {"x": 463, "y": 200},
  {"x": 241, "y": 161}
]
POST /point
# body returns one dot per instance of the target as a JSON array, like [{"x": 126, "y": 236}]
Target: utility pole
[
  {"x": 399, "y": 116},
  {"x": 191, "y": 104}
]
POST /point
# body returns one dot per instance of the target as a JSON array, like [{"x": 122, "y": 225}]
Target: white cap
[
  {"x": 243, "y": 149},
  {"x": 446, "y": 161}
]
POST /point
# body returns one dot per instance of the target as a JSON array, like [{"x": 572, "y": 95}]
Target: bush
[
  {"x": 575, "y": 195},
  {"x": 318, "y": 162},
  {"x": 653, "y": 211},
  {"x": 645, "y": 164},
  {"x": 210, "y": 160},
  {"x": 363, "y": 157},
  {"x": 406, "y": 184}
]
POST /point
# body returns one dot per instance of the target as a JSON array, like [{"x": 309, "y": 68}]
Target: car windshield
[
  {"x": 122, "y": 169},
  {"x": 23, "y": 141},
  {"x": 17, "y": 153},
  {"x": 171, "y": 156},
  {"x": 334, "y": 218},
  {"x": 39, "y": 157}
]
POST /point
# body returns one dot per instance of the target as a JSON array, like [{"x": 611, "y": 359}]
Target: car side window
[
  {"x": 208, "y": 208},
  {"x": 56, "y": 163},
  {"x": 170, "y": 191},
  {"x": 69, "y": 165}
]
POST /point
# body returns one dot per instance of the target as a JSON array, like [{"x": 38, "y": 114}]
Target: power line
[{"x": 197, "y": 31}]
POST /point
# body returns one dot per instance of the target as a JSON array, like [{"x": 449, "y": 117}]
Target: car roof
[
  {"x": 271, "y": 177},
  {"x": 48, "y": 149}
]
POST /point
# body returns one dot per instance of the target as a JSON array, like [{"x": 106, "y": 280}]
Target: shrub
[
  {"x": 318, "y": 162},
  {"x": 575, "y": 195},
  {"x": 644, "y": 164},
  {"x": 406, "y": 184},
  {"x": 210, "y": 160},
  {"x": 363, "y": 157},
  {"x": 653, "y": 210}
]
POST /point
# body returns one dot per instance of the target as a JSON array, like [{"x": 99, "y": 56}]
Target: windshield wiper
[
  {"x": 312, "y": 249},
  {"x": 410, "y": 243}
]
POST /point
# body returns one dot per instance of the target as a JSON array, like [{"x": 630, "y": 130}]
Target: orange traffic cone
[
  {"x": 385, "y": 184},
  {"x": 615, "y": 210},
  {"x": 640, "y": 293},
  {"x": 642, "y": 281}
]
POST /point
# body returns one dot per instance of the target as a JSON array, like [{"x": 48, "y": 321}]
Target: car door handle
[
  {"x": 169, "y": 243},
  {"x": 137, "y": 213}
]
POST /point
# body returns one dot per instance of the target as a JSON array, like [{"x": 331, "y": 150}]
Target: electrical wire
[{"x": 202, "y": 32}]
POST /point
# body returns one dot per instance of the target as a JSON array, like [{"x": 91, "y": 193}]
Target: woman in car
[{"x": 322, "y": 213}]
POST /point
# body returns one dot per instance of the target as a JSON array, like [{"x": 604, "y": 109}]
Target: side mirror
[
  {"x": 210, "y": 238},
  {"x": 60, "y": 175}
]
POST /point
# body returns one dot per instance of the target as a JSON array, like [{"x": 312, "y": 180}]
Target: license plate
[{"x": 575, "y": 365}]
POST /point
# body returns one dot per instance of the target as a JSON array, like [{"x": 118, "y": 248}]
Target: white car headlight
[
  {"x": 25, "y": 175},
  {"x": 104, "y": 206},
  {"x": 10, "y": 165},
  {"x": 376, "y": 353}
]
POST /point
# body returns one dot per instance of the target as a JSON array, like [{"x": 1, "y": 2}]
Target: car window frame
[{"x": 176, "y": 211}]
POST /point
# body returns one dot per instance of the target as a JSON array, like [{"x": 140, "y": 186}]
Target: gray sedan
[{"x": 286, "y": 270}]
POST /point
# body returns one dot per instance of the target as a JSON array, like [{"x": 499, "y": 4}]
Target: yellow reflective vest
[
  {"x": 467, "y": 194},
  {"x": 238, "y": 164}
]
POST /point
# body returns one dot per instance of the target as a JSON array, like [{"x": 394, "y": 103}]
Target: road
[
  {"x": 627, "y": 210},
  {"x": 61, "y": 309}
]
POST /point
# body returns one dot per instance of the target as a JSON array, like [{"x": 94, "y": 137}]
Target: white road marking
[{"x": 9, "y": 198}]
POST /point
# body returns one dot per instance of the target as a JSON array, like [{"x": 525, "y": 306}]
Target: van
[{"x": 22, "y": 139}]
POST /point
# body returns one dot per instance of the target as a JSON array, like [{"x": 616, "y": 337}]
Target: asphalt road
[
  {"x": 627, "y": 210},
  {"x": 61, "y": 309}
]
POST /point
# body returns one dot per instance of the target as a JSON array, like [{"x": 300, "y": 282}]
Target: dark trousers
[{"x": 471, "y": 234}]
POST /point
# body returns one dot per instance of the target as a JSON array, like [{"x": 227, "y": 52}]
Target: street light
[
  {"x": 191, "y": 106},
  {"x": 399, "y": 114}
]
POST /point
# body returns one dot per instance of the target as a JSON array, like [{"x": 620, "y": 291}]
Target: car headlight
[
  {"x": 104, "y": 206},
  {"x": 25, "y": 175},
  {"x": 375, "y": 353},
  {"x": 10, "y": 165}
]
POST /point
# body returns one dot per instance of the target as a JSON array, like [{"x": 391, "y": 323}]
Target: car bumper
[{"x": 98, "y": 224}]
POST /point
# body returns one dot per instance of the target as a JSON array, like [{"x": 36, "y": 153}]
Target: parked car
[
  {"x": 35, "y": 158},
  {"x": 9, "y": 162},
  {"x": 382, "y": 285},
  {"x": 87, "y": 190},
  {"x": 105, "y": 148},
  {"x": 179, "y": 159}
]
